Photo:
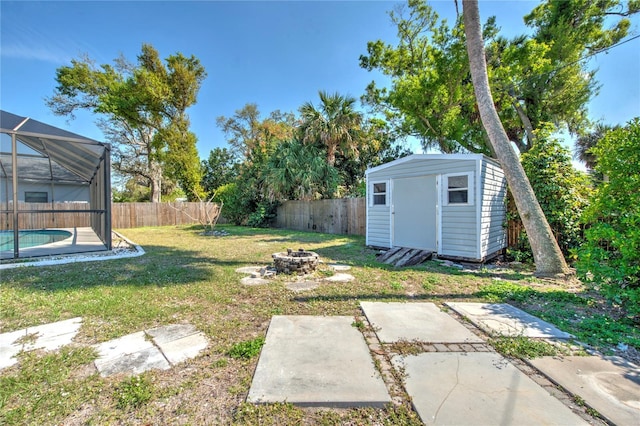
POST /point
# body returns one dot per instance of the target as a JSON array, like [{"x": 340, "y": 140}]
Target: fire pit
[{"x": 295, "y": 262}]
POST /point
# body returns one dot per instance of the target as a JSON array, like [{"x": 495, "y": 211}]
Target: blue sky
[{"x": 277, "y": 54}]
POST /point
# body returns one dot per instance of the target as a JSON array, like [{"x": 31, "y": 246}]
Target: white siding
[
  {"x": 60, "y": 193},
  {"x": 379, "y": 217},
  {"x": 493, "y": 237},
  {"x": 468, "y": 231},
  {"x": 378, "y": 226},
  {"x": 459, "y": 229}
]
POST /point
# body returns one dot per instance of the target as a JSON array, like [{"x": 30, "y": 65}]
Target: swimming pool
[{"x": 32, "y": 238}]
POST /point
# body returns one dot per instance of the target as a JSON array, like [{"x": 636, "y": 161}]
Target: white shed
[{"x": 450, "y": 204}]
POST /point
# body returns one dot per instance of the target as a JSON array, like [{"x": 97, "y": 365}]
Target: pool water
[{"x": 32, "y": 238}]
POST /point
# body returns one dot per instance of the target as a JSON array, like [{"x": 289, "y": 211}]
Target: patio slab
[
  {"x": 316, "y": 362},
  {"x": 340, "y": 277},
  {"x": 481, "y": 388},
  {"x": 423, "y": 322},
  {"x": 47, "y": 336},
  {"x": 133, "y": 363},
  {"x": 179, "y": 342},
  {"x": 610, "y": 385},
  {"x": 157, "y": 348},
  {"x": 302, "y": 286},
  {"x": 502, "y": 319}
]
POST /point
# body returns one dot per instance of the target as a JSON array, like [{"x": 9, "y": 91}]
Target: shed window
[
  {"x": 379, "y": 194},
  {"x": 36, "y": 197},
  {"x": 458, "y": 189}
]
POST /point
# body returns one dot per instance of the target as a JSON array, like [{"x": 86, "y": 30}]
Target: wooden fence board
[{"x": 339, "y": 216}]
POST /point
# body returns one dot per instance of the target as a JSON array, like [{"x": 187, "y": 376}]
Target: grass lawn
[{"x": 187, "y": 277}]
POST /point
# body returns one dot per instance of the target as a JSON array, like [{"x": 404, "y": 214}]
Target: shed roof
[
  {"x": 78, "y": 156},
  {"x": 421, "y": 157}
]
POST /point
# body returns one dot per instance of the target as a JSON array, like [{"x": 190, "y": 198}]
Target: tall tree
[
  {"x": 334, "y": 124},
  {"x": 142, "y": 109},
  {"x": 540, "y": 78},
  {"x": 298, "y": 171},
  {"x": 249, "y": 134},
  {"x": 546, "y": 252},
  {"x": 220, "y": 168}
]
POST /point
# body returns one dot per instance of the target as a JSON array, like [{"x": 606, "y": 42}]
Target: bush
[
  {"x": 264, "y": 215},
  {"x": 609, "y": 260},
  {"x": 236, "y": 204},
  {"x": 561, "y": 190}
]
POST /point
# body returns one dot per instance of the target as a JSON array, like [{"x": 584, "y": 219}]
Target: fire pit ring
[{"x": 295, "y": 262}]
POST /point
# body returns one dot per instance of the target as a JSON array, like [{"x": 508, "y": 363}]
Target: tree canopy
[
  {"x": 538, "y": 78},
  {"x": 142, "y": 109}
]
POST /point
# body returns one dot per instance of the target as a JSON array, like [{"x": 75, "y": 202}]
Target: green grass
[
  {"x": 523, "y": 347},
  {"x": 185, "y": 277},
  {"x": 247, "y": 349}
]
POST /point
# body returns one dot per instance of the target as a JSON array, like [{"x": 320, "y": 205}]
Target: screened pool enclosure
[{"x": 52, "y": 179}]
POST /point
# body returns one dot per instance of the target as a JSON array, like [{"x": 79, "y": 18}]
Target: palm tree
[
  {"x": 335, "y": 124},
  {"x": 589, "y": 140},
  {"x": 297, "y": 171}
]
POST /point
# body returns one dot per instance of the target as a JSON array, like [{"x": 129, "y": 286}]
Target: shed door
[{"x": 414, "y": 212}]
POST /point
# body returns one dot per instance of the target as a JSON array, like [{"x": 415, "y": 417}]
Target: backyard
[{"x": 186, "y": 277}]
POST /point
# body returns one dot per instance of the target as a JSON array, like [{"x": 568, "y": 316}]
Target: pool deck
[{"x": 82, "y": 240}]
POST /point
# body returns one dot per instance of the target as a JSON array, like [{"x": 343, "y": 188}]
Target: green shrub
[
  {"x": 609, "y": 260},
  {"x": 237, "y": 203},
  {"x": 264, "y": 215},
  {"x": 561, "y": 190}
]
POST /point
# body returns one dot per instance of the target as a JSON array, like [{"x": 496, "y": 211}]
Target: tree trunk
[
  {"x": 546, "y": 253},
  {"x": 155, "y": 171}
]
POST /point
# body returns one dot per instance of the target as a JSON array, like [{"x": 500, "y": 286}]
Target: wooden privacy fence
[
  {"x": 45, "y": 220},
  {"x": 123, "y": 215},
  {"x": 339, "y": 216},
  {"x": 136, "y": 215}
]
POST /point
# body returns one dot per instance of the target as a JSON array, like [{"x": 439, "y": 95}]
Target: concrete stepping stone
[
  {"x": 130, "y": 354},
  {"x": 178, "y": 342},
  {"x": 249, "y": 269},
  {"x": 316, "y": 362},
  {"x": 49, "y": 337},
  {"x": 339, "y": 267},
  {"x": 425, "y": 322},
  {"x": 254, "y": 281},
  {"x": 502, "y": 319},
  {"x": 480, "y": 388},
  {"x": 340, "y": 278},
  {"x": 303, "y": 285},
  {"x": 610, "y": 385},
  {"x": 157, "y": 348}
]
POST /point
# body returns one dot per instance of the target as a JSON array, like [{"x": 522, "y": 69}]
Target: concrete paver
[
  {"x": 254, "y": 281},
  {"x": 179, "y": 342},
  {"x": 316, "y": 362},
  {"x": 302, "y": 285},
  {"x": 248, "y": 269},
  {"x": 132, "y": 363},
  {"x": 479, "y": 388},
  {"x": 171, "y": 332},
  {"x": 157, "y": 348},
  {"x": 415, "y": 321},
  {"x": 48, "y": 337},
  {"x": 124, "y": 345},
  {"x": 610, "y": 385},
  {"x": 501, "y": 319},
  {"x": 339, "y": 267},
  {"x": 340, "y": 277}
]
